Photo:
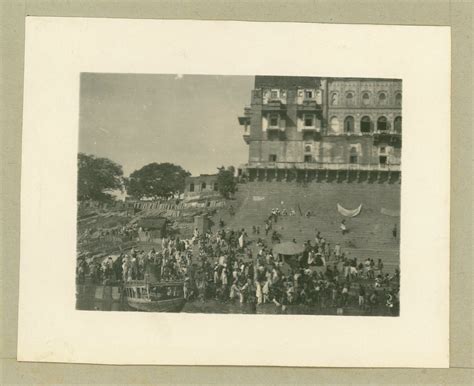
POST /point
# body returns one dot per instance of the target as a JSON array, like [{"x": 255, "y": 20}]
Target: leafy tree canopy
[
  {"x": 96, "y": 176},
  {"x": 226, "y": 183},
  {"x": 156, "y": 180}
]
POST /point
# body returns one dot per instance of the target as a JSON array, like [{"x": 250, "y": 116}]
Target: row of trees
[{"x": 98, "y": 177}]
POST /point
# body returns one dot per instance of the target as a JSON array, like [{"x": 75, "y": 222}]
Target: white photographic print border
[{"x": 59, "y": 49}]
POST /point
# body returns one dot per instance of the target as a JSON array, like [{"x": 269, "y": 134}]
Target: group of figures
[{"x": 227, "y": 266}]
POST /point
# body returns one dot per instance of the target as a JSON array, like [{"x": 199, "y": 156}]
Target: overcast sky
[{"x": 189, "y": 120}]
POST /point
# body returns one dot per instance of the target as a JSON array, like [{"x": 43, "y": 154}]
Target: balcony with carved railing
[
  {"x": 390, "y": 137},
  {"x": 309, "y": 105},
  {"x": 276, "y": 104}
]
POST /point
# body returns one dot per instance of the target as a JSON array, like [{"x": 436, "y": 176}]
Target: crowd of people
[{"x": 229, "y": 266}]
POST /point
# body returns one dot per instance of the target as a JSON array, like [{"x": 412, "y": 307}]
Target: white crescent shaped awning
[{"x": 349, "y": 212}]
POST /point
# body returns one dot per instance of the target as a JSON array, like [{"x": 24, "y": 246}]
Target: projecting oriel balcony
[
  {"x": 273, "y": 105},
  {"x": 390, "y": 137},
  {"x": 309, "y": 105},
  {"x": 245, "y": 121}
]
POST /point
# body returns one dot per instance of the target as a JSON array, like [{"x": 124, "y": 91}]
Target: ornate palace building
[{"x": 323, "y": 128}]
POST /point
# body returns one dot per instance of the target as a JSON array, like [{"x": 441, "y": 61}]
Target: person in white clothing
[{"x": 343, "y": 227}]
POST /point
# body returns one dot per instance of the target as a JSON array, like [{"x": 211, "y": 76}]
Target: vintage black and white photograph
[
  {"x": 232, "y": 204},
  {"x": 239, "y": 194},
  {"x": 216, "y": 193}
]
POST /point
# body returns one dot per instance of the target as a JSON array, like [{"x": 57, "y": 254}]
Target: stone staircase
[{"x": 370, "y": 233}]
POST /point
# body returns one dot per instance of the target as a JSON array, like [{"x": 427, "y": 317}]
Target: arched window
[
  {"x": 353, "y": 155},
  {"x": 365, "y": 98},
  {"x": 349, "y": 98},
  {"x": 398, "y": 98},
  {"x": 397, "y": 124},
  {"x": 334, "y": 124},
  {"x": 203, "y": 186},
  {"x": 382, "y": 98},
  {"x": 382, "y": 124},
  {"x": 349, "y": 124},
  {"x": 191, "y": 187},
  {"x": 365, "y": 124}
]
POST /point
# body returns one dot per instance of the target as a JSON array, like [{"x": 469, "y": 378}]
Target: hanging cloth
[{"x": 349, "y": 212}]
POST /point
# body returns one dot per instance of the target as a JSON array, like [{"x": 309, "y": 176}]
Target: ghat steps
[{"x": 370, "y": 233}]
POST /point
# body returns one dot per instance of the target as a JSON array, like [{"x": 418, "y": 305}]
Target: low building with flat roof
[{"x": 204, "y": 185}]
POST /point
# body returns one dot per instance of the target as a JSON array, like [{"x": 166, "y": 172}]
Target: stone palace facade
[{"x": 317, "y": 127}]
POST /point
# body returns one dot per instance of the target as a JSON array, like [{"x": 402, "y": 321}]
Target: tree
[
  {"x": 156, "y": 180},
  {"x": 226, "y": 183},
  {"x": 96, "y": 176}
]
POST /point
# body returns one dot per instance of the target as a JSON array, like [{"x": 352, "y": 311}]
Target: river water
[{"x": 107, "y": 298}]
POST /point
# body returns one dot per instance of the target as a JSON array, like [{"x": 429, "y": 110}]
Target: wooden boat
[{"x": 163, "y": 296}]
